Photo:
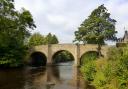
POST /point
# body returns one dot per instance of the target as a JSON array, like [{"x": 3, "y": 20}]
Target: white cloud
[
  {"x": 63, "y": 17},
  {"x": 118, "y": 10},
  {"x": 56, "y": 19}
]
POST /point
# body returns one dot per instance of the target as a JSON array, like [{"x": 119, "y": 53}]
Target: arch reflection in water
[
  {"x": 42, "y": 77},
  {"x": 36, "y": 78},
  {"x": 50, "y": 77},
  {"x": 53, "y": 78},
  {"x": 69, "y": 78}
]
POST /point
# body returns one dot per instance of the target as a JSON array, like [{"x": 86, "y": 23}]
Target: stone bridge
[{"x": 77, "y": 51}]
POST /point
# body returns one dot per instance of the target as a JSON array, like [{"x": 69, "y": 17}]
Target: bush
[
  {"x": 89, "y": 71},
  {"x": 89, "y": 56},
  {"x": 111, "y": 73}
]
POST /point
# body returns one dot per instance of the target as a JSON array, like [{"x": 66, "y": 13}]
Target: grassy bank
[{"x": 110, "y": 73}]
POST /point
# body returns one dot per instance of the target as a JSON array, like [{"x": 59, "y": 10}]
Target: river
[{"x": 61, "y": 76}]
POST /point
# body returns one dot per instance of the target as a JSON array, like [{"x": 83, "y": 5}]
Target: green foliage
[
  {"x": 63, "y": 56},
  {"x": 100, "y": 79},
  {"x": 54, "y": 40},
  {"x": 51, "y": 39},
  {"x": 88, "y": 56},
  {"x": 111, "y": 73},
  {"x": 111, "y": 53},
  {"x": 38, "y": 39},
  {"x": 121, "y": 44},
  {"x": 97, "y": 28},
  {"x": 14, "y": 29},
  {"x": 88, "y": 70}
]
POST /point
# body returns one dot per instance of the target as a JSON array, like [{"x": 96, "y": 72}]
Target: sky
[{"x": 63, "y": 17}]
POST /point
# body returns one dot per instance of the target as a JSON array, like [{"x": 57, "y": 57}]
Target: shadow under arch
[
  {"x": 62, "y": 56},
  {"x": 88, "y": 56},
  {"x": 38, "y": 59}
]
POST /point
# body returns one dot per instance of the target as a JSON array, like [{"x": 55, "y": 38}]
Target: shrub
[
  {"x": 88, "y": 70},
  {"x": 111, "y": 73}
]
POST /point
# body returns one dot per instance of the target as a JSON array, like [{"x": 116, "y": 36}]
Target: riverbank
[{"x": 110, "y": 73}]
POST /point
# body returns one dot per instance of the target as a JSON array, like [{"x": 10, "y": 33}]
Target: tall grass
[{"x": 111, "y": 73}]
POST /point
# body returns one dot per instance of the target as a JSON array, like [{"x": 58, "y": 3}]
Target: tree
[
  {"x": 97, "y": 28},
  {"x": 14, "y": 29},
  {"x": 36, "y": 39},
  {"x": 51, "y": 39},
  {"x": 63, "y": 56},
  {"x": 54, "y": 40}
]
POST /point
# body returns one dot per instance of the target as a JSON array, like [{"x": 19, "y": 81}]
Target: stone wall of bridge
[{"x": 76, "y": 50}]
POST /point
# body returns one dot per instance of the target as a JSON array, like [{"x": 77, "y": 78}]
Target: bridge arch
[
  {"x": 76, "y": 50},
  {"x": 63, "y": 53},
  {"x": 88, "y": 55},
  {"x": 71, "y": 48},
  {"x": 38, "y": 58}
]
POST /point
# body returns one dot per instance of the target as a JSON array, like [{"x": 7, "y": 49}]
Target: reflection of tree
[
  {"x": 35, "y": 77},
  {"x": 12, "y": 79},
  {"x": 37, "y": 71},
  {"x": 80, "y": 82},
  {"x": 42, "y": 77}
]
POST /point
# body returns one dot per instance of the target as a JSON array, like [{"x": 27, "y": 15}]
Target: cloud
[
  {"x": 63, "y": 17},
  {"x": 118, "y": 10}
]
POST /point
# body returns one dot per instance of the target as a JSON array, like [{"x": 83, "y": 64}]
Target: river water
[{"x": 61, "y": 76}]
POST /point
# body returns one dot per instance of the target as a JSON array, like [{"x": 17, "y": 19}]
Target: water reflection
[
  {"x": 9, "y": 79},
  {"x": 51, "y": 77},
  {"x": 79, "y": 82}
]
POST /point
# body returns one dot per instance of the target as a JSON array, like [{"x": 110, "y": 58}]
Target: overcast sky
[{"x": 63, "y": 17}]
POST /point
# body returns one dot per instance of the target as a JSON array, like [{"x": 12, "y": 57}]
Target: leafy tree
[
  {"x": 14, "y": 29},
  {"x": 51, "y": 39},
  {"x": 97, "y": 28},
  {"x": 54, "y": 40},
  {"x": 36, "y": 39}
]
